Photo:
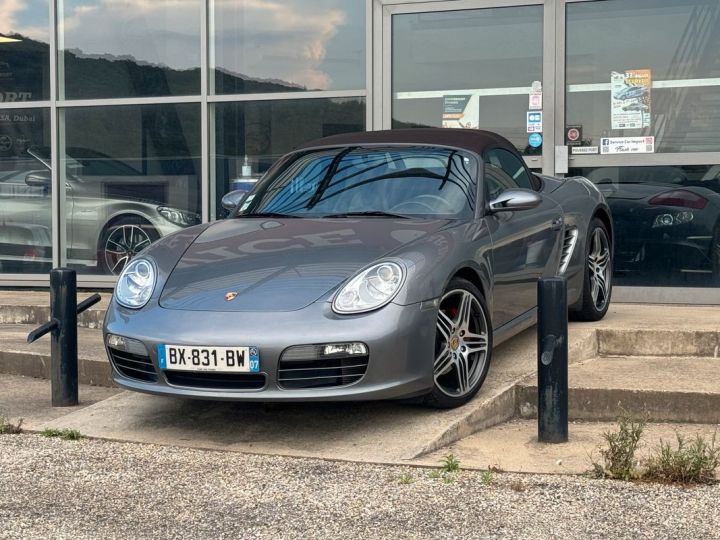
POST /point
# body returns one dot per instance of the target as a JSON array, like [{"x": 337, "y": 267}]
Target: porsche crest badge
[{"x": 229, "y": 296}]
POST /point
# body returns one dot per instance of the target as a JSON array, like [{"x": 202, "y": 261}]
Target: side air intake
[{"x": 569, "y": 242}]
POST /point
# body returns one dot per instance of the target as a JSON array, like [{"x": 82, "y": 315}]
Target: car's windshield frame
[{"x": 249, "y": 205}]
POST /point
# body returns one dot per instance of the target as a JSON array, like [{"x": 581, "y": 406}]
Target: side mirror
[
  {"x": 38, "y": 179},
  {"x": 231, "y": 200},
  {"x": 515, "y": 199}
]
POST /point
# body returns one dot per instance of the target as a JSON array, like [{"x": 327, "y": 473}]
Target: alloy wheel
[
  {"x": 461, "y": 343},
  {"x": 599, "y": 265},
  {"x": 122, "y": 244}
]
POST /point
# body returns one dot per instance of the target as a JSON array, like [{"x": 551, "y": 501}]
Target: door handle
[{"x": 557, "y": 223}]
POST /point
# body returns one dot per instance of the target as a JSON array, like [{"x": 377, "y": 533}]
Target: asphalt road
[{"x": 50, "y": 488}]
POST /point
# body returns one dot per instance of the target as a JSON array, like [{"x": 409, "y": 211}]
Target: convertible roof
[{"x": 474, "y": 140}]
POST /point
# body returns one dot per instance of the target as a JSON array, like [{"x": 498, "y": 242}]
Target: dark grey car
[{"x": 364, "y": 266}]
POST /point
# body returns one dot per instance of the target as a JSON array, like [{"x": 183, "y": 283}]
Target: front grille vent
[
  {"x": 569, "y": 241},
  {"x": 303, "y": 368},
  {"x": 216, "y": 381},
  {"x": 133, "y": 366}
]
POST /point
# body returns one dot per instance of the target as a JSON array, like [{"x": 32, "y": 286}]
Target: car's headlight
[
  {"x": 370, "y": 289},
  {"x": 178, "y": 217},
  {"x": 136, "y": 283}
]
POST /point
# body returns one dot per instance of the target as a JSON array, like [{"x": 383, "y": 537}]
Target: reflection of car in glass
[
  {"x": 636, "y": 106},
  {"x": 667, "y": 219},
  {"x": 110, "y": 212},
  {"x": 23, "y": 246},
  {"x": 631, "y": 92},
  {"x": 364, "y": 266}
]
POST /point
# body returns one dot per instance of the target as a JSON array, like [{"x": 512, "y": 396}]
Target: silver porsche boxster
[{"x": 374, "y": 265}]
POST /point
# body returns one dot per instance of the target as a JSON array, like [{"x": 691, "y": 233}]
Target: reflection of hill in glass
[
  {"x": 24, "y": 69},
  {"x": 101, "y": 77},
  {"x": 105, "y": 76},
  {"x": 227, "y": 82}
]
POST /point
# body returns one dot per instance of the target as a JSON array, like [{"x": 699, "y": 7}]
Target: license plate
[{"x": 224, "y": 359}]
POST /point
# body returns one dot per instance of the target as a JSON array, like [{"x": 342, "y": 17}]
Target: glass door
[
  {"x": 468, "y": 64},
  {"x": 642, "y": 123}
]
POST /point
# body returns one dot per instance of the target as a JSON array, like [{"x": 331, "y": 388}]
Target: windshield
[{"x": 406, "y": 181}]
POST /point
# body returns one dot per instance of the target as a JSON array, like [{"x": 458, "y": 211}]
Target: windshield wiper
[
  {"x": 268, "y": 214},
  {"x": 371, "y": 213}
]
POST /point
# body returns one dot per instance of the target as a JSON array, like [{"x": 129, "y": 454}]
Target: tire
[
  {"x": 121, "y": 240},
  {"x": 463, "y": 346},
  {"x": 595, "y": 295}
]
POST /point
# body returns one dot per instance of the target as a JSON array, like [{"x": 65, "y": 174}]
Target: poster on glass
[{"x": 630, "y": 98}]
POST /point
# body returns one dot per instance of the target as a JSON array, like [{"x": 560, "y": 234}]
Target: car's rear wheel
[
  {"x": 463, "y": 346},
  {"x": 597, "y": 284},
  {"x": 121, "y": 240}
]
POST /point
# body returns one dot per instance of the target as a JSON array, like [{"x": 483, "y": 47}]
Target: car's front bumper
[{"x": 400, "y": 341}]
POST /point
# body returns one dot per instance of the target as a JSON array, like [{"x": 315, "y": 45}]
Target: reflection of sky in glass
[
  {"x": 26, "y": 17},
  {"x": 153, "y": 31},
  {"x": 614, "y": 36},
  {"x": 317, "y": 44}
]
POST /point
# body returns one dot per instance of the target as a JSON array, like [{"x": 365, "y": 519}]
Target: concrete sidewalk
[
  {"x": 370, "y": 435},
  {"x": 380, "y": 431},
  {"x": 513, "y": 446},
  {"x": 656, "y": 359}
]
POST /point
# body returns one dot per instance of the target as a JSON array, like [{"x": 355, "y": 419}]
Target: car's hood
[{"x": 281, "y": 264}]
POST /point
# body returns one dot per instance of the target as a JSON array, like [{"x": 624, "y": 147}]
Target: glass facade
[
  {"x": 25, "y": 51},
  {"x": 25, "y": 191},
  {"x": 666, "y": 223},
  {"x": 122, "y": 121},
  {"x": 674, "y": 43},
  {"x": 287, "y": 46},
  {"x": 128, "y": 48},
  {"x": 482, "y": 60},
  {"x": 250, "y": 136},
  {"x": 132, "y": 175},
  {"x": 147, "y": 113}
]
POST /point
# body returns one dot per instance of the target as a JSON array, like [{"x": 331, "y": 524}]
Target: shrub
[
  {"x": 619, "y": 462},
  {"x": 65, "y": 434},
  {"x": 692, "y": 462},
  {"x": 450, "y": 464},
  {"x": 8, "y": 428}
]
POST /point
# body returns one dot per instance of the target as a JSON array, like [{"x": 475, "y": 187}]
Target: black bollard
[
  {"x": 552, "y": 360},
  {"x": 63, "y": 345}
]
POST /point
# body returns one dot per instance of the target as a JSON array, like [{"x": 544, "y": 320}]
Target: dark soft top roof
[{"x": 469, "y": 139}]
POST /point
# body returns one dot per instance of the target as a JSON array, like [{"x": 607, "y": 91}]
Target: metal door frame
[
  {"x": 554, "y": 37},
  {"x": 383, "y": 10}
]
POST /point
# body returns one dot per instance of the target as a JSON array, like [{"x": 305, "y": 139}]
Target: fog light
[
  {"x": 116, "y": 342},
  {"x": 132, "y": 346},
  {"x": 345, "y": 349}
]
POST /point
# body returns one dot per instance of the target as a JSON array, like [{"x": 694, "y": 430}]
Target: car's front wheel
[{"x": 463, "y": 345}]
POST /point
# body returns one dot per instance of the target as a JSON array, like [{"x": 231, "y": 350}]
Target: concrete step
[
  {"x": 662, "y": 389},
  {"x": 661, "y": 342},
  {"x": 19, "y": 358},
  {"x": 30, "y": 307}
]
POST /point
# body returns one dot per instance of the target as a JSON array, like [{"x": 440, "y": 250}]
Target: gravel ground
[{"x": 51, "y": 488}]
